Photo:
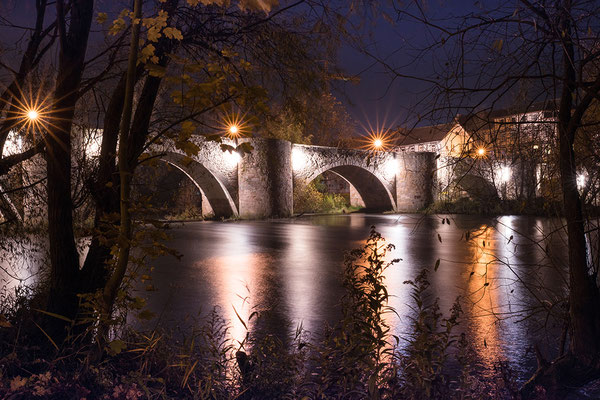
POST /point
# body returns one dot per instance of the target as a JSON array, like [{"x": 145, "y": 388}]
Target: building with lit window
[{"x": 501, "y": 154}]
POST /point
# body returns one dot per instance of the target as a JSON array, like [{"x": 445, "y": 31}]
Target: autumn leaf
[
  {"x": 172, "y": 33},
  {"x": 497, "y": 45},
  {"x": 187, "y": 128},
  {"x": 258, "y": 5},
  {"x": 189, "y": 148},
  {"x": 117, "y": 26},
  {"x": 153, "y": 34},
  {"x": 17, "y": 382},
  {"x": 101, "y": 18},
  {"x": 147, "y": 53},
  {"x": 156, "y": 70}
]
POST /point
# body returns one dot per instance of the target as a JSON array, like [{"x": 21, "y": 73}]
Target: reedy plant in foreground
[{"x": 356, "y": 359}]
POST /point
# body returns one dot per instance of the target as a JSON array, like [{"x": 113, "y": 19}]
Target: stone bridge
[{"x": 261, "y": 183}]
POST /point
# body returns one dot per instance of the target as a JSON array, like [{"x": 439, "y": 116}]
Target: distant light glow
[
  {"x": 581, "y": 181},
  {"x": 379, "y": 140},
  {"x": 32, "y": 112},
  {"x": 234, "y": 126},
  {"x": 535, "y": 147},
  {"x": 481, "y": 152},
  {"x": 505, "y": 174},
  {"x": 299, "y": 159}
]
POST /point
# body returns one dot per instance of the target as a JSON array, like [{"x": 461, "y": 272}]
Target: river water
[{"x": 507, "y": 274}]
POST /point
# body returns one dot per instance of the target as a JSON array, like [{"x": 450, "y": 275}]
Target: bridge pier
[
  {"x": 265, "y": 180},
  {"x": 415, "y": 181}
]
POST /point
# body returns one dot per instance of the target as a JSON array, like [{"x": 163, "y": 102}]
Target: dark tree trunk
[
  {"x": 94, "y": 273},
  {"x": 106, "y": 196},
  {"x": 63, "y": 252},
  {"x": 581, "y": 364},
  {"x": 584, "y": 299}
]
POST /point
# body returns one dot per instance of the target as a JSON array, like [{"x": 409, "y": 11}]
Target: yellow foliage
[
  {"x": 117, "y": 26},
  {"x": 188, "y": 128},
  {"x": 147, "y": 53},
  {"x": 172, "y": 33},
  {"x": 258, "y": 5},
  {"x": 101, "y": 18}
]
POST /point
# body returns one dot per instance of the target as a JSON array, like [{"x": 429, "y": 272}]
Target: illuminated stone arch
[
  {"x": 370, "y": 188},
  {"x": 372, "y": 175},
  {"x": 208, "y": 182}
]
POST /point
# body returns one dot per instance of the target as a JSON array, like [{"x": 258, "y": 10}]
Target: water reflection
[
  {"x": 504, "y": 269},
  {"x": 20, "y": 261}
]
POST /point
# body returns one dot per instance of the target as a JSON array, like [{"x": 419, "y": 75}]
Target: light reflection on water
[
  {"x": 20, "y": 262},
  {"x": 293, "y": 269},
  {"x": 290, "y": 270}
]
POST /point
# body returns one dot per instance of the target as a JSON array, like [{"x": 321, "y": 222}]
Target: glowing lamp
[
  {"x": 33, "y": 115},
  {"x": 233, "y": 130},
  {"x": 481, "y": 152},
  {"x": 580, "y": 181},
  {"x": 377, "y": 143}
]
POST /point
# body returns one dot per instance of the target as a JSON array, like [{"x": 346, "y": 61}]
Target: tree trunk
[
  {"x": 64, "y": 260},
  {"x": 105, "y": 194},
  {"x": 584, "y": 299},
  {"x": 125, "y": 227},
  {"x": 581, "y": 363}
]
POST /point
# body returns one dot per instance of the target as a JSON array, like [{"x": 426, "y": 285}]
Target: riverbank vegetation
[
  {"x": 314, "y": 198},
  {"x": 357, "y": 358},
  {"x": 465, "y": 205}
]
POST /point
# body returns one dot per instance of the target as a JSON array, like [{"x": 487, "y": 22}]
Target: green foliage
[
  {"x": 272, "y": 368},
  {"x": 429, "y": 342},
  {"x": 357, "y": 358},
  {"x": 311, "y": 198}
]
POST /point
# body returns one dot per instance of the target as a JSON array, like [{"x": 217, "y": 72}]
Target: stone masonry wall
[
  {"x": 414, "y": 181},
  {"x": 265, "y": 180}
]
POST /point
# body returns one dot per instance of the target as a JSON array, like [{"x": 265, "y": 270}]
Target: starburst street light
[
  {"x": 481, "y": 152},
  {"x": 233, "y": 130},
  {"x": 375, "y": 141},
  {"x": 234, "y": 126},
  {"x": 33, "y": 115}
]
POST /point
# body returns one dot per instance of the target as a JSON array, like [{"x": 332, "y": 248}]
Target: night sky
[{"x": 378, "y": 100}]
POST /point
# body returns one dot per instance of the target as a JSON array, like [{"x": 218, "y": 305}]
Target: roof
[
  {"x": 550, "y": 105},
  {"x": 471, "y": 123},
  {"x": 424, "y": 134}
]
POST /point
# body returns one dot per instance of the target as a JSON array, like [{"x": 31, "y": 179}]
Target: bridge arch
[
  {"x": 207, "y": 182},
  {"x": 371, "y": 188},
  {"x": 477, "y": 187}
]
